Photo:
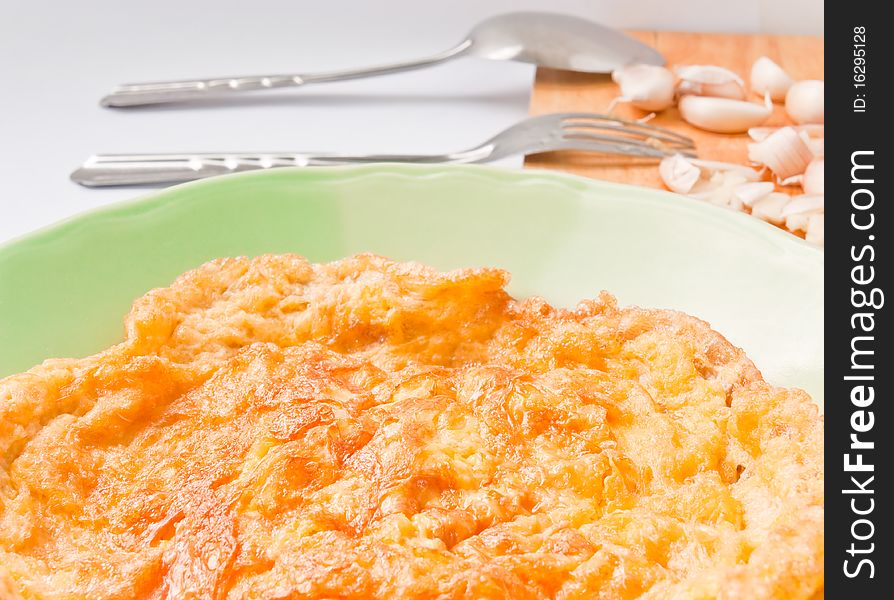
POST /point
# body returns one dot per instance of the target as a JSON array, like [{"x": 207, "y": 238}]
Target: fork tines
[{"x": 591, "y": 131}]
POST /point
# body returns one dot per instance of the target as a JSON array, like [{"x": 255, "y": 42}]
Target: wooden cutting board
[{"x": 562, "y": 91}]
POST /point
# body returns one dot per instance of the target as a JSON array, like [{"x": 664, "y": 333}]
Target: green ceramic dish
[{"x": 64, "y": 290}]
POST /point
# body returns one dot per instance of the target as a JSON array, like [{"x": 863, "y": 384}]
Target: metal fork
[{"x": 586, "y": 132}]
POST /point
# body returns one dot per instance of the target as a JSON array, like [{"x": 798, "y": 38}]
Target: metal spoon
[{"x": 543, "y": 39}]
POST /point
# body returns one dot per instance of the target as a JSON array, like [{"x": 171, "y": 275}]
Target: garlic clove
[
  {"x": 816, "y": 229},
  {"x": 750, "y": 192},
  {"x": 723, "y": 115},
  {"x": 709, "y": 80},
  {"x": 678, "y": 173},
  {"x": 769, "y": 78},
  {"x": 814, "y": 180},
  {"x": 817, "y": 147},
  {"x": 805, "y": 102},
  {"x": 647, "y": 87},
  {"x": 730, "y": 89},
  {"x": 769, "y": 208},
  {"x": 784, "y": 152}
]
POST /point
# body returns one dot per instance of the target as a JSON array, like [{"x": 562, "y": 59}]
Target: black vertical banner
[{"x": 859, "y": 427}]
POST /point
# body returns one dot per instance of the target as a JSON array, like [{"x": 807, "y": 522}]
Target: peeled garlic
[
  {"x": 816, "y": 229},
  {"x": 814, "y": 181},
  {"x": 723, "y": 115},
  {"x": 769, "y": 208},
  {"x": 752, "y": 191},
  {"x": 768, "y": 78},
  {"x": 784, "y": 152},
  {"x": 646, "y": 87},
  {"x": 804, "y": 101},
  {"x": 709, "y": 80}
]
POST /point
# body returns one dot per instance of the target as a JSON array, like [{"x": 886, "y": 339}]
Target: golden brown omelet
[{"x": 372, "y": 429}]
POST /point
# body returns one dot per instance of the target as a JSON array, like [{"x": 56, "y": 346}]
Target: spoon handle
[{"x": 162, "y": 92}]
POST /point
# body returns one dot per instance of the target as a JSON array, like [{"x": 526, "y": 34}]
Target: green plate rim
[{"x": 157, "y": 199}]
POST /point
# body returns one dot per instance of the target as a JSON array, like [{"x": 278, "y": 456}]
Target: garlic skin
[
  {"x": 799, "y": 209},
  {"x": 769, "y": 78},
  {"x": 811, "y": 130},
  {"x": 693, "y": 176},
  {"x": 769, "y": 208},
  {"x": 723, "y": 115},
  {"x": 804, "y": 101},
  {"x": 750, "y": 192},
  {"x": 783, "y": 151},
  {"x": 747, "y": 173},
  {"x": 647, "y": 87},
  {"x": 804, "y": 203},
  {"x": 799, "y": 221},
  {"x": 720, "y": 189},
  {"x": 814, "y": 181},
  {"x": 678, "y": 174},
  {"x": 709, "y": 80}
]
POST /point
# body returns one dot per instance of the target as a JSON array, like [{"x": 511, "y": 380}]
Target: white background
[{"x": 58, "y": 58}]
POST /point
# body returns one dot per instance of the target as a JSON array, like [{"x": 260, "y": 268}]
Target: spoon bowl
[{"x": 558, "y": 42}]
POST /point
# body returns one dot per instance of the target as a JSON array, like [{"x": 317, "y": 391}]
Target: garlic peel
[
  {"x": 784, "y": 152},
  {"x": 812, "y": 130},
  {"x": 720, "y": 189},
  {"x": 678, "y": 173},
  {"x": 804, "y": 204},
  {"x": 769, "y": 208},
  {"x": 694, "y": 176},
  {"x": 799, "y": 221},
  {"x": 715, "y": 165},
  {"x": 767, "y": 77},
  {"x": 723, "y": 115},
  {"x": 750, "y": 192}
]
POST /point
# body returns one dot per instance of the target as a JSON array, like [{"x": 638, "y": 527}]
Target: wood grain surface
[{"x": 560, "y": 91}]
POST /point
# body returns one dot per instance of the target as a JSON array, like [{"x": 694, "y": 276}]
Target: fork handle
[
  {"x": 139, "y": 94},
  {"x": 153, "y": 169}
]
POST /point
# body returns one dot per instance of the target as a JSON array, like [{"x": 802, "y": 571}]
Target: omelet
[{"x": 272, "y": 428}]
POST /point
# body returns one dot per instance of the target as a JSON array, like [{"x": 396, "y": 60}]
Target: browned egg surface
[{"x": 272, "y": 428}]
